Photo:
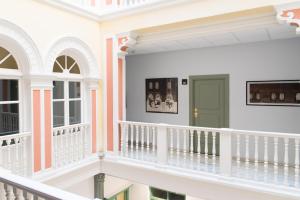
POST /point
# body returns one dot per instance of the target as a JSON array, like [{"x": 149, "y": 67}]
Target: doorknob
[{"x": 195, "y": 113}]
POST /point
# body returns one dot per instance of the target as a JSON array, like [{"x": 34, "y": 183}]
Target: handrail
[
  {"x": 12, "y": 136},
  {"x": 36, "y": 188},
  {"x": 225, "y": 130}
]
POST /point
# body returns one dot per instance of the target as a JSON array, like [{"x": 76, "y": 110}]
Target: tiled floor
[{"x": 259, "y": 173}]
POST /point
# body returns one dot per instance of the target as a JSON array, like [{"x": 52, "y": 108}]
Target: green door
[{"x": 209, "y": 104}]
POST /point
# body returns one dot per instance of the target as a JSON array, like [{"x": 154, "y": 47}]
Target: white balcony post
[
  {"x": 162, "y": 144},
  {"x": 225, "y": 152}
]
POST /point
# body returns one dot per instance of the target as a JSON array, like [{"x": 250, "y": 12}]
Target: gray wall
[{"x": 274, "y": 60}]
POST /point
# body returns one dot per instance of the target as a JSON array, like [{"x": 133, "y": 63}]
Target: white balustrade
[
  {"x": 15, "y": 152},
  {"x": 216, "y": 150},
  {"x": 71, "y": 144},
  {"x": 13, "y": 187}
]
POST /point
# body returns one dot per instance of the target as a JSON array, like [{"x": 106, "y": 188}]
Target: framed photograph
[
  {"x": 273, "y": 93},
  {"x": 162, "y": 95}
]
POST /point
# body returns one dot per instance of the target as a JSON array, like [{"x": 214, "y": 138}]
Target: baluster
[
  {"x": 185, "y": 135},
  {"x": 24, "y": 156},
  {"x": 2, "y": 191},
  {"x": 238, "y": 155},
  {"x": 199, "y": 144},
  {"x": 142, "y": 141},
  {"x": 29, "y": 196},
  {"x": 153, "y": 142},
  {"x": 9, "y": 154},
  {"x": 265, "y": 158},
  {"x": 17, "y": 156},
  {"x": 122, "y": 133},
  {"x": 148, "y": 139},
  {"x": 20, "y": 195},
  {"x": 10, "y": 193},
  {"x": 137, "y": 131},
  {"x": 81, "y": 143},
  {"x": 255, "y": 156},
  {"x": 177, "y": 142},
  {"x": 206, "y": 145},
  {"x": 286, "y": 160},
  {"x": 247, "y": 150},
  {"x": 296, "y": 157},
  {"x": 1, "y": 153},
  {"x": 275, "y": 157},
  {"x": 171, "y": 144},
  {"x": 214, "y": 134},
  {"x": 78, "y": 142},
  {"x": 191, "y": 133},
  {"x": 131, "y": 135}
]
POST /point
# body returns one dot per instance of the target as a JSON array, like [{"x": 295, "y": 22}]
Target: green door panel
[{"x": 209, "y": 94}]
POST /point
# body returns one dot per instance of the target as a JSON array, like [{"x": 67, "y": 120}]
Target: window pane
[
  {"x": 7, "y": 60},
  {"x": 75, "y": 112},
  {"x": 174, "y": 196},
  {"x": 9, "y": 90},
  {"x": 159, "y": 193},
  {"x": 74, "y": 89},
  {"x": 58, "y": 114},
  {"x": 9, "y": 119},
  {"x": 58, "y": 90}
]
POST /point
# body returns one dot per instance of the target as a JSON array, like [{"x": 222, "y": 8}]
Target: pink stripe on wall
[
  {"x": 109, "y": 89},
  {"x": 94, "y": 121},
  {"x": 108, "y": 2},
  {"x": 37, "y": 130},
  {"x": 48, "y": 135},
  {"x": 93, "y": 2}
]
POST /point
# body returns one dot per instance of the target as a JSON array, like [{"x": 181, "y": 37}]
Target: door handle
[{"x": 195, "y": 113}]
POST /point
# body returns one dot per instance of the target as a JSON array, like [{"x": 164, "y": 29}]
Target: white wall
[
  {"x": 274, "y": 60},
  {"x": 84, "y": 188},
  {"x": 114, "y": 185}
]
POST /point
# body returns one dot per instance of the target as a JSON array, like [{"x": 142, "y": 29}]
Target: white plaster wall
[
  {"x": 139, "y": 192},
  {"x": 274, "y": 60},
  {"x": 84, "y": 188},
  {"x": 114, "y": 185}
]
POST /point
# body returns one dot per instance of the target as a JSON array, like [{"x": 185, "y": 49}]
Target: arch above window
[
  {"x": 7, "y": 61},
  {"x": 66, "y": 64}
]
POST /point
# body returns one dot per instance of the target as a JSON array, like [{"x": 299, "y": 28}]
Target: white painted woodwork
[
  {"x": 173, "y": 144},
  {"x": 71, "y": 144},
  {"x": 13, "y": 187},
  {"x": 15, "y": 152}
]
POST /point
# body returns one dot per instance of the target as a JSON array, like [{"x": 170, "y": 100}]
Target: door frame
[{"x": 224, "y": 77}]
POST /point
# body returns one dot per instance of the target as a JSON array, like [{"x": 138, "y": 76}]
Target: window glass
[
  {"x": 58, "y": 90},
  {"x": 9, "y": 119},
  {"x": 75, "y": 112},
  {"x": 159, "y": 193},
  {"x": 58, "y": 114},
  {"x": 174, "y": 196},
  {"x": 7, "y": 60},
  {"x": 74, "y": 89},
  {"x": 9, "y": 90}
]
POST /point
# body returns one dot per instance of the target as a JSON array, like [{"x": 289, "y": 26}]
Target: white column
[
  {"x": 162, "y": 144},
  {"x": 115, "y": 95},
  {"x": 225, "y": 152}
]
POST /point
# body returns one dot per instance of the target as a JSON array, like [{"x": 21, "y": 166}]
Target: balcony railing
[
  {"x": 14, "y": 187},
  {"x": 15, "y": 153},
  {"x": 260, "y": 156},
  {"x": 103, "y": 7},
  {"x": 71, "y": 144}
]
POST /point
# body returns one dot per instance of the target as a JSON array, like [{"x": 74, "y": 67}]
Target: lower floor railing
[
  {"x": 71, "y": 144},
  {"x": 14, "y": 187},
  {"x": 15, "y": 153},
  {"x": 266, "y": 156}
]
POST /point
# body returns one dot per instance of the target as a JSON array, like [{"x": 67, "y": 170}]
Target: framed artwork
[
  {"x": 162, "y": 95},
  {"x": 273, "y": 93}
]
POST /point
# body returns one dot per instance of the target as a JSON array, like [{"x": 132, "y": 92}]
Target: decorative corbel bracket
[
  {"x": 126, "y": 41},
  {"x": 289, "y": 14}
]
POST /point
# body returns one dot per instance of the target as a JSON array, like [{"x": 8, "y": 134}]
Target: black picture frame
[
  {"x": 273, "y": 93},
  {"x": 161, "y": 95}
]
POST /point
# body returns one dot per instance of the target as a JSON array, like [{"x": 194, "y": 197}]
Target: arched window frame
[
  {"x": 14, "y": 74},
  {"x": 66, "y": 77}
]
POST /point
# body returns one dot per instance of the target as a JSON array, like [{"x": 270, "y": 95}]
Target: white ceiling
[{"x": 216, "y": 35}]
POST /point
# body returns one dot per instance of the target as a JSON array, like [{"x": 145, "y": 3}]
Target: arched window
[
  {"x": 9, "y": 95},
  {"x": 67, "y": 94}
]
